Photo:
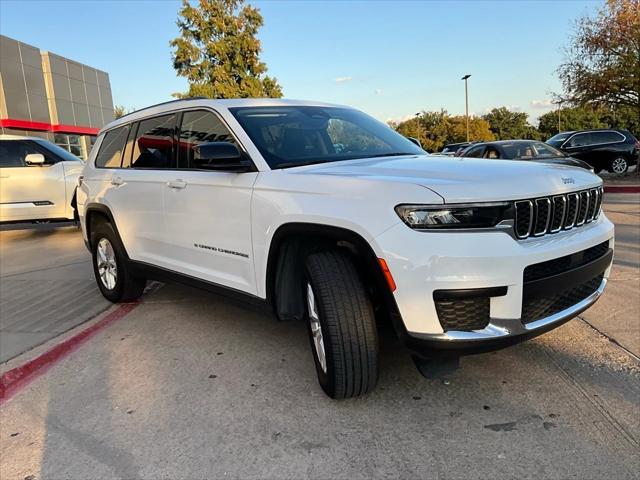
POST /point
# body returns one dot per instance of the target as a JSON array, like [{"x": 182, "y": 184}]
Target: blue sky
[{"x": 389, "y": 58}]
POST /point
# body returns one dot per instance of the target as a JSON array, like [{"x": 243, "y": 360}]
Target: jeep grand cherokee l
[{"x": 333, "y": 218}]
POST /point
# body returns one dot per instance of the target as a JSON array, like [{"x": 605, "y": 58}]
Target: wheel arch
[
  {"x": 96, "y": 212},
  {"x": 289, "y": 246}
]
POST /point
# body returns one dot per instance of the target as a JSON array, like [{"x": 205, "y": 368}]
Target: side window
[
  {"x": 13, "y": 153},
  {"x": 579, "y": 140},
  {"x": 110, "y": 153},
  {"x": 491, "y": 153},
  {"x": 199, "y": 126},
  {"x": 606, "y": 137},
  {"x": 153, "y": 144},
  {"x": 475, "y": 152}
]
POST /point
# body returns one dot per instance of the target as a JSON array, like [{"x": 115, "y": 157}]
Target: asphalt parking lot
[{"x": 191, "y": 385}]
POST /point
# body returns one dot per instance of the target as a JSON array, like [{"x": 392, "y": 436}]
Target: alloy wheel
[
  {"x": 316, "y": 329},
  {"x": 106, "y": 263},
  {"x": 619, "y": 165}
]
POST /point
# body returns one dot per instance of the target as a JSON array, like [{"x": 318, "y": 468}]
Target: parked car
[
  {"x": 530, "y": 150},
  {"x": 605, "y": 149},
  {"x": 252, "y": 197},
  {"x": 38, "y": 180},
  {"x": 453, "y": 148}
]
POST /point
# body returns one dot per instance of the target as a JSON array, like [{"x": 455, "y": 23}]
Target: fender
[{"x": 104, "y": 210}]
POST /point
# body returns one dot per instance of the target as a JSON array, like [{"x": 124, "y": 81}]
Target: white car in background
[{"x": 38, "y": 180}]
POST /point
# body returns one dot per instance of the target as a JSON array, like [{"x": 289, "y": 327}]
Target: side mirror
[
  {"x": 414, "y": 140},
  {"x": 220, "y": 156},
  {"x": 34, "y": 159}
]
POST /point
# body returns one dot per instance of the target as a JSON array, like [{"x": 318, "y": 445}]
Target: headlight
[{"x": 453, "y": 216}]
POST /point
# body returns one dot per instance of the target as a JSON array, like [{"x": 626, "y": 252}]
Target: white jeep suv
[{"x": 329, "y": 216}]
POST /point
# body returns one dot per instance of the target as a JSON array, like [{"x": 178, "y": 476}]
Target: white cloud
[
  {"x": 400, "y": 119},
  {"x": 342, "y": 79},
  {"x": 542, "y": 104},
  {"x": 378, "y": 91}
]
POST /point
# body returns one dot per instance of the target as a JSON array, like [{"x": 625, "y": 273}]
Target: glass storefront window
[{"x": 71, "y": 143}]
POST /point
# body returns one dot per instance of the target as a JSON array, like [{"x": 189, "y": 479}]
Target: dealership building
[{"x": 45, "y": 95}]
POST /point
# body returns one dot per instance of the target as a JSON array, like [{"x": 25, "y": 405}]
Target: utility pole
[{"x": 466, "y": 102}]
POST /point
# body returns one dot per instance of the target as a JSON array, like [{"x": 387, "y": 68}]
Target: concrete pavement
[{"x": 46, "y": 285}]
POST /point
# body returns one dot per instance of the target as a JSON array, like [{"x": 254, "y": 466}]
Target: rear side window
[
  {"x": 110, "y": 153},
  {"x": 153, "y": 146},
  {"x": 199, "y": 126},
  {"x": 606, "y": 137}
]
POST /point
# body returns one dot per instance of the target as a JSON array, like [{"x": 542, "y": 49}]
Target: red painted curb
[
  {"x": 622, "y": 189},
  {"x": 14, "y": 380}
]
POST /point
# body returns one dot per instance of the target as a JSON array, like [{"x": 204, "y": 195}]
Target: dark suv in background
[{"x": 605, "y": 149}]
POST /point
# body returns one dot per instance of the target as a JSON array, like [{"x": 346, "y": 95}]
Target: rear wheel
[
  {"x": 341, "y": 325},
  {"x": 619, "y": 165},
  {"x": 113, "y": 275}
]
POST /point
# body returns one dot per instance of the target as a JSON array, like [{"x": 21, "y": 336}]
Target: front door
[
  {"x": 208, "y": 213},
  {"x": 29, "y": 192}
]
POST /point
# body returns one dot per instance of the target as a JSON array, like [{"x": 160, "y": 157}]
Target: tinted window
[
  {"x": 13, "y": 153},
  {"x": 110, "y": 153},
  {"x": 606, "y": 137},
  {"x": 153, "y": 145},
  {"x": 579, "y": 140},
  {"x": 199, "y": 127},
  {"x": 474, "y": 152},
  {"x": 492, "y": 153},
  {"x": 558, "y": 139},
  {"x": 59, "y": 151},
  {"x": 301, "y": 135}
]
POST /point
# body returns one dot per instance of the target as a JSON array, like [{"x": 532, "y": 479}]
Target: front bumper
[{"x": 424, "y": 262}]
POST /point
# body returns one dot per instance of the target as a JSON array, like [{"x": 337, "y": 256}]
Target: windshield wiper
[
  {"x": 394, "y": 154},
  {"x": 300, "y": 164}
]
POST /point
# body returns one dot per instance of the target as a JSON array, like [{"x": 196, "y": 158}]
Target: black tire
[
  {"x": 617, "y": 162},
  {"x": 127, "y": 286},
  {"x": 348, "y": 325}
]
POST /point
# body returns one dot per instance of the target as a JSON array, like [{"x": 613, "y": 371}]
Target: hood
[
  {"x": 459, "y": 180},
  {"x": 573, "y": 162}
]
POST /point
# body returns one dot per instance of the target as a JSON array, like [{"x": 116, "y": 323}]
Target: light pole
[
  {"x": 466, "y": 102},
  {"x": 418, "y": 124}
]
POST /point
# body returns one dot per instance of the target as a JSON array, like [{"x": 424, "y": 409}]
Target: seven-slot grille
[{"x": 540, "y": 216}]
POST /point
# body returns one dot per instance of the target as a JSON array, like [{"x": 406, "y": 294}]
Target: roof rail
[{"x": 162, "y": 103}]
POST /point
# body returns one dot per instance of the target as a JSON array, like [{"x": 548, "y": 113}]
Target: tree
[
  {"x": 120, "y": 111},
  {"x": 436, "y": 129},
  {"x": 218, "y": 51},
  {"x": 603, "y": 61},
  {"x": 506, "y": 124},
  {"x": 576, "y": 118}
]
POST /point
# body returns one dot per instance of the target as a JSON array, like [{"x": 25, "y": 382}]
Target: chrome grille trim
[
  {"x": 573, "y": 200},
  {"x": 545, "y": 215},
  {"x": 583, "y": 207},
  {"x": 555, "y": 213},
  {"x": 536, "y": 232},
  {"x": 529, "y": 203}
]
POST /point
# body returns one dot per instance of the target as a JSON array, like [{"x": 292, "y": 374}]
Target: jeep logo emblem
[{"x": 567, "y": 180}]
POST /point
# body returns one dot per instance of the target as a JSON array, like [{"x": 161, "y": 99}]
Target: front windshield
[
  {"x": 558, "y": 139},
  {"x": 291, "y": 136},
  {"x": 59, "y": 151}
]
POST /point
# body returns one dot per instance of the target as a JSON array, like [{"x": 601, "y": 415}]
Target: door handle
[
  {"x": 177, "y": 184},
  {"x": 117, "y": 181}
]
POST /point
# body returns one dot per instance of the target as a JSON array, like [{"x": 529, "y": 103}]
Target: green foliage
[
  {"x": 506, "y": 124},
  {"x": 218, "y": 51},
  {"x": 436, "y": 129},
  {"x": 120, "y": 111},
  {"x": 588, "y": 117},
  {"x": 602, "y": 64}
]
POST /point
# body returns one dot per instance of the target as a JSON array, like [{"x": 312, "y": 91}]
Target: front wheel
[
  {"x": 341, "y": 323},
  {"x": 619, "y": 165}
]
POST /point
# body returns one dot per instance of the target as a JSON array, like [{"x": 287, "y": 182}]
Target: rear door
[
  {"x": 30, "y": 192},
  {"x": 136, "y": 183},
  {"x": 208, "y": 213}
]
